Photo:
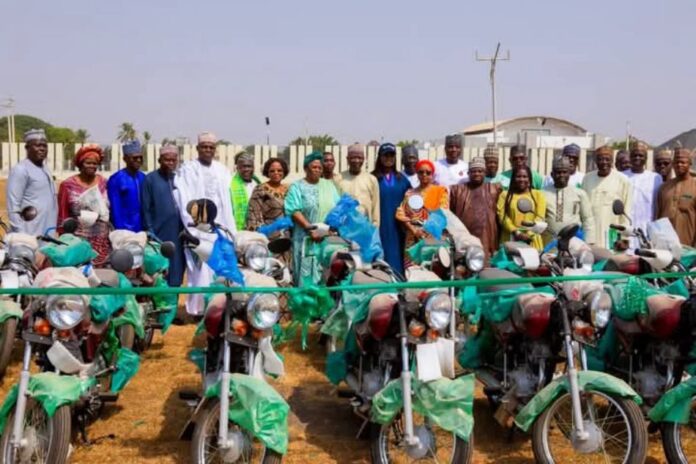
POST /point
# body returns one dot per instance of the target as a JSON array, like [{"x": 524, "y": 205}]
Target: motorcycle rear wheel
[
  {"x": 679, "y": 440},
  {"x": 386, "y": 444},
  {"x": 624, "y": 435},
  {"x": 8, "y": 332},
  {"x": 50, "y": 436},
  {"x": 205, "y": 436}
]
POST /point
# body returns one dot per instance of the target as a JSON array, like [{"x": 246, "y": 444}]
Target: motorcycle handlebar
[
  {"x": 645, "y": 253},
  {"x": 617, "y": 227},
  {"x": 46, "y": 238}
]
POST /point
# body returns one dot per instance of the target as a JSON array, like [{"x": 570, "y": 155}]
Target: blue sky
[{"x": 358, "y": 70}]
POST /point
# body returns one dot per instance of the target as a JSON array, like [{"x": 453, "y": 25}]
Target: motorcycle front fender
[
  {"x": 587, "y": 381},
  {"x": 51, "y": 390},
  {"x": 675, "y": 405},
  {"x": 8, "y": 309}
]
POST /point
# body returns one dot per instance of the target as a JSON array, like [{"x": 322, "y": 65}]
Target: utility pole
[
  {"x": 9, "y": 104},
  {"x": 268, "y": 130},
  {"x": 493, "y": 61},
  {"x": 628, "y": 133}
]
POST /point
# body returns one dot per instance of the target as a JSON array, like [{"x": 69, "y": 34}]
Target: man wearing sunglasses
[
  {"x": 124, "y": 189},
  {"x": 30, "y": 184}
]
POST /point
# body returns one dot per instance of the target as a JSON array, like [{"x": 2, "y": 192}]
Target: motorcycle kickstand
[
  {"x": 81, "y": 420},
  {"x": 366, "y": 421}
]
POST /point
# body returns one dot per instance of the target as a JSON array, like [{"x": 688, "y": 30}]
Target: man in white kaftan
[
  {"x": 645, "y": 187},
  {"x": 203, "y": 178}
]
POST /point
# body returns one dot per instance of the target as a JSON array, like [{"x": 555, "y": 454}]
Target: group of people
[{"x": 476, "y": 192}]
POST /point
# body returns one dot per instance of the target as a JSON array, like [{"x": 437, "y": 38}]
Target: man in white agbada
[
  {"x": 203, "y": 178},
  {"x": 645, "y": 187}
]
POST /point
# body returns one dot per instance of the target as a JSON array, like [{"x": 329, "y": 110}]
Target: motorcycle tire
[
  {"x": 58, "y": 426},
  {"x": 149, "y": 336},
  {"x": 631, "y": 412},
  {"x": 463, "y": 450},
  {"x": 126, "y": 335},
  {"x": 671, "y": 439},
  {"x": 8, "y": 331},
  {"x": 207, "y": 428}
]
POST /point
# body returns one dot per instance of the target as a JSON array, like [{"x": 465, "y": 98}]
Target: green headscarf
[{"x": 314, "y": 156}]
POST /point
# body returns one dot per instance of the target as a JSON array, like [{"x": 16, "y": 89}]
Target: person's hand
[
  {"x": 521, "y": 236},
  {"x": 420, "y": 233},
  {"x": 316, "y": 236}
]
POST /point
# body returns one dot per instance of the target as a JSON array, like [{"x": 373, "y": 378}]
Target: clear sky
[{"x": 356, "y": 69}]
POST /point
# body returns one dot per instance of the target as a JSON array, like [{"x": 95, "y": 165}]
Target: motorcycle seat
[
  {"x": 492, "y": 273},
  {"x": 108, "y": 277},
  {"x": 371, "y": 276}
]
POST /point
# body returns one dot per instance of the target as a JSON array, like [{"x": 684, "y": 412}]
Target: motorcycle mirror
[
  {"x": 168, "y": 249},
  {"x": 565, "y": 234},
  {"x": 415, "y": 202},
  {"x": 618, "y": 208},
  {"x": 525, "y": 206},
  {"x": 29, "y": 213},
  {"x": 443, "y": 255},
  {"x": 279, "y": 245},
  {"x": 121, "y": 260},
  {"x": 70, "y": 226},
  {"x": 202, "y": 211}
]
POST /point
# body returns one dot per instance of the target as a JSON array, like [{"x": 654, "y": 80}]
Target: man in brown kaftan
[{"x": 676, "y": 199}]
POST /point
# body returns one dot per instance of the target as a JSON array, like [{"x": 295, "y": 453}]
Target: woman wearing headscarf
[
  {"x": 307, "y": 202},
  {"x": 393, "y": 185},
  {"x": 84, "y": 196},
  {"x": 267, "y": 202},
  {"x": 511, "y": 218},
  {"x": 434, "y": 197}
]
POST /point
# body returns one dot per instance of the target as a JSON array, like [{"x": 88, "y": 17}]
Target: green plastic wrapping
[
  {"x": 104, "y": 306},
  {"x": 599, "y": 265},
  {"x": 677, "y": 288},
  {"x": 153, "y": 260},
  {"x": 76, "y": 252},
  {"x": 257, "y": 408},
  {"x": 675, "y": 405},
  {"x": 127, "y": 365},
  {"x": 422, "y": 251},
  {"x": 131, "y": 314},
  {"x": 605, "y": 350},
  {"x": 197, "y": 357},
  {"x": 691, "y": 368},
  {"x": 49, "y": 389},
  {"x": 307, "y": 304},
  {"x": 336, "y": 367},
  {"x": 168, "y": 304},
  {"x": 629, "y": 299},
  {"x": 587, "y": 381},
  {"x": 688, "y": 257},
  {"x": 9, "y": 308},
  {"x": 494, "y": 307},
  {"x": 500, "y": 260},
  {"x": 448, "y": 403},
  {"x": 477, "y": 348}
]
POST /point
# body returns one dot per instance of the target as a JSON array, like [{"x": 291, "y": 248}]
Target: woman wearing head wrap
[
  {"x": 393, "y": 185},
  {"x": 307, "y": 202},
  {"x": 83, "y": 196},
  {"x": 434, "y": 197},
  {"x": 508, "y": 215}
]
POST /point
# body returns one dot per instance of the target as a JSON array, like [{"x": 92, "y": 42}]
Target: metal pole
[
  {"x": 628, "y": 133},
  {"x": 493, "y": 61}
]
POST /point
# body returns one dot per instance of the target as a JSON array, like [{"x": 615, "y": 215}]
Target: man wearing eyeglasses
[
  {"x": 124, "y": 189},
  {"x": 30, "y": 184}
]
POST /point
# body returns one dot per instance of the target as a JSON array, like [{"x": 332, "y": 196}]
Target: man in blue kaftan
[{"x": 124, "y": 188}]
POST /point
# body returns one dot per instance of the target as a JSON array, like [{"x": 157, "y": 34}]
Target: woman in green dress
[{"x": 307, "y": 202}]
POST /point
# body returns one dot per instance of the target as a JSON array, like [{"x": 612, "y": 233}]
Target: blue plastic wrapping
[
  {"x": 282, "y": 223},
  {"x": 356, "y": 227},
  {"x": 435, "y": 224},
  {"x": 223, "y": 259}
]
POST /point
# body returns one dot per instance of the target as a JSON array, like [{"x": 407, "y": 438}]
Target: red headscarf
[
  {"x": 425, "y": 162},
  {"x": 88, "y": 151}
]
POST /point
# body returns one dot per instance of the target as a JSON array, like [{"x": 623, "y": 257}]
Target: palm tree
[
  {"x": 318, "y": 142},
  {"x": 81, "y": 135},
  {"x": 126, "y": 132},
  {"x": 147, "y": 137}
]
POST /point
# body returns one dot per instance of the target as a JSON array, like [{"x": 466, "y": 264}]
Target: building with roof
[{"x": 534, "y": 132}]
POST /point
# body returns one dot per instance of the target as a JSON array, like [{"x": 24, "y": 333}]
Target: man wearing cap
[
  {"x": 124, "y": 188},
  {"x": 360, "y": 184},
  {"x": 30, "y": 184},
  {"x": 519, "y": 158},
  {"x": 676, "y": 199},
  {"x": 409, "y": 158},
  {"x": 475, "y": 204},
  {"x": 572, "y": 154},
  {"x": 603, "y": 186},
  {"x": 566, "y": 204},
  {"x": 452, "y": 170},
  {"x": 203, "y": 178},
  {"x": 491, "y": 158},
  {"x": 328, "y": 167},
  {"x": 662, "y": 164},
  {"x": 242, "y": 186},
  {"x": 645, "y": 186},
  {"x": 160, "y": 214}
]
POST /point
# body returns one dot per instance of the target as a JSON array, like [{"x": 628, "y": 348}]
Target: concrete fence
[{"x": 60, "y": 161}]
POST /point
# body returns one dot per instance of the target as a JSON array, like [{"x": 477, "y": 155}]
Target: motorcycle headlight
[
  {"x": 599, "y": 303},
  {"x": 255, "y": 257},
  {"x": 19, "y": 251},
  {"x": 263, "y": 311},
  {"x": 137, "y": 252},
  {"x": 438, "y": 311},
  {"x": 65, "y": 311},
  {"x": 474, "y": 258}
]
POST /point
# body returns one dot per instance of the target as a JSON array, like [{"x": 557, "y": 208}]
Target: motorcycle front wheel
[
  {"x": 8, "y": 331},
  {"x": 679, "y": 440},
  {"x": 387, "y": 443},
  {"x": 47, "y": 438},
  {"x": 616, "y": 431},
  {"x": 204, "y": 445}
]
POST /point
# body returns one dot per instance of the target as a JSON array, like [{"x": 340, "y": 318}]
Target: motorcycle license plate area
[{"x": 435, "y": 360}]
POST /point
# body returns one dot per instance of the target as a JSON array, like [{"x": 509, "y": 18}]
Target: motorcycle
[
  {"x": 579, "y": 415},
  {"x": 68, "y": 337},
  {"x": 239, "y": 328}
]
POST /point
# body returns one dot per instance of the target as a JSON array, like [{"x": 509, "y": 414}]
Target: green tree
[
  {"x": 147, "y": 137},
  {"x": 403, "y": 143},
  {"x": 318, "y": 142},
  {"x": 61, "y": 135},
  {"x": 126, "y": 132},
  {"x": 23, "y": 123},
  {"x": 81, "y": 135}
]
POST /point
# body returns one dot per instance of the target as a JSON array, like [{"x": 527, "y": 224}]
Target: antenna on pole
[
  {"x": 9, "y": 103},
  {"x": 493, "y": 60}
]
